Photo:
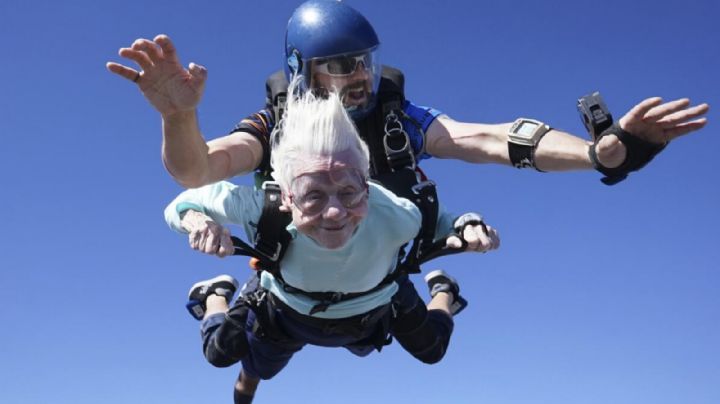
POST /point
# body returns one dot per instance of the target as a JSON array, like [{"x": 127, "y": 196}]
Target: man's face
[
  {"x": 355, "y": 88},
  {"x": 327, "y": 198}
]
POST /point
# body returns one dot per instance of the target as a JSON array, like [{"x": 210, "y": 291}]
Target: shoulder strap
[
  {"x": 272, "y": 238},
  {"x": 276, "y": 87}
]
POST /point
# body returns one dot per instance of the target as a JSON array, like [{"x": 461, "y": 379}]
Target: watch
[{"x": 523, "y": 137}]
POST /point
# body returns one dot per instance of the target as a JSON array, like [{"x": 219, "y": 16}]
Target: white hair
[{"x": 313, "y": 126}]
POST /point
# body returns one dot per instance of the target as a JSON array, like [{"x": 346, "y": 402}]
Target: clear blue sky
[{"x": 598, "y": 295}]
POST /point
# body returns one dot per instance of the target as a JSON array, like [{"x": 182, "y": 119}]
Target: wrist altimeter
[
  {"x": 594, "y": 114},
  {"x": 523, "y": 138}
]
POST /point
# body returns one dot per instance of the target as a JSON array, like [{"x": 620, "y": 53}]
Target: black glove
[{"x": 639, "y": 153}]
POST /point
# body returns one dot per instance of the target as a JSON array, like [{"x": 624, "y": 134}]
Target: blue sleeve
[
  {"x": 260, "y": 125},
  {"x": 419, "y": 120}
]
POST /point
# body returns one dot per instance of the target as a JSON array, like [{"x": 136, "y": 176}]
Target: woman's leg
[{"x": 425, "y": 331}]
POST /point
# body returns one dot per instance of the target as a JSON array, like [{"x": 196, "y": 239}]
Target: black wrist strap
[
  {"x": 523, "y": 156},
  {"x": 639, "y": 153}
]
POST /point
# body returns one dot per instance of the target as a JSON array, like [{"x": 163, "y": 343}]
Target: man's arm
[
  {"x": 488, "y": 143},
  {"x": 194, "y": 163},
  {"x": 650, "y": 120}
]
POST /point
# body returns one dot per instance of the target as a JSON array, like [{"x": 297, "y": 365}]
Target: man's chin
[{"x": 353, "y": 105}]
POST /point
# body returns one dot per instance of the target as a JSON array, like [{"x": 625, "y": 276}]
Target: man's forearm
[
  {"x": 561, "y": 151},
  {"x": 184, "y": 151}
]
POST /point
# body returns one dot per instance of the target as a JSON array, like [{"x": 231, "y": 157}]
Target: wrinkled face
[
  {"x": 327, "y": 198},
  {"x": 349, "y": 76}
]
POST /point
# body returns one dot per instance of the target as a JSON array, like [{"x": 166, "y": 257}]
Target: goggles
[
  {"x": 309, "y": 192},
  {"x": 341, "y": 66}
]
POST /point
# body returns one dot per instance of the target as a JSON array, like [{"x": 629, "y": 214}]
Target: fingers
[
  {"x": 685, "y": 128},
  {"x": 166, "y": 45},
  {"x": 481, "y": 238},
  {"x": 226, "y": 244},
  {"x": 137, "y": 56},
  {"x": 659, "y": 123},
  {"x": 147, "y": 54},
  {"x": 194, "y": 239},
  {"x": 660, "y": 111},
  {"x": 684, "y": 115},
  {"x": 197, "y": 71},
  {"x": 638, "y": 112},
  {"x": 123, "y": 71},
  {"x": 212, "y": 239},
  {"x": 453, "y": 242},
  {"x": 151, "y": 49},
  {"x": 683, "y": 122}
]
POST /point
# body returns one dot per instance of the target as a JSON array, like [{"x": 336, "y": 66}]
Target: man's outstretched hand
[
  {"x": 655, "y": 122},
  {"x": 168, "y": 86}
]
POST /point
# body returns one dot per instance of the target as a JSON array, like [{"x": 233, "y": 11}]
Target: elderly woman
[{"x": 346, "y": 236}]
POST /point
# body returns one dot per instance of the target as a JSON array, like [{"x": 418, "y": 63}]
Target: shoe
[
  {"x": 439, "y": 281},
  {"x": 223, "y": 285}
]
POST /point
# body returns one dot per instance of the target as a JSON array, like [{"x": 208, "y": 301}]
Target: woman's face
[{"x": 327, "y": 198}]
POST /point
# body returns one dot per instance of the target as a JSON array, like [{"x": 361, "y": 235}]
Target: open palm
[{"x": 167, "y": 85}]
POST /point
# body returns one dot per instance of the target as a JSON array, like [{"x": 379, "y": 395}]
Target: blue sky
[{"x": 598, "y": 294}]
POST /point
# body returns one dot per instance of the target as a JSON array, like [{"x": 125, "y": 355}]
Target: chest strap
[{"x": 271, "y": 237}]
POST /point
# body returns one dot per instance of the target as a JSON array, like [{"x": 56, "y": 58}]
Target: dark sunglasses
[{"x": 341, "y": 65}]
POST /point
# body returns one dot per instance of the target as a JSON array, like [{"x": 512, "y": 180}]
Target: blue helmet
[{"x": 330, "y": 37}]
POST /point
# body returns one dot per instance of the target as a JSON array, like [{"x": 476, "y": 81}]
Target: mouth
[
  {"x": 355, "y": 95},
  {"x": 333, "y": 228}
]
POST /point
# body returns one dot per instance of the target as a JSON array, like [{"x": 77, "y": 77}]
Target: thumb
[
  {"x": 453, "y": 242},
  {"x": 226, "y": 240},
  {"x": 198, "y": 72},
  {"x": 610, "y": 151}
]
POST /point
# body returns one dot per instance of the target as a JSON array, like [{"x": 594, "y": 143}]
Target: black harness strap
[
  {"x": 276, "y": 93},
  {"x": 271, "y": 238},
  {"x": 427, "y": 202}
]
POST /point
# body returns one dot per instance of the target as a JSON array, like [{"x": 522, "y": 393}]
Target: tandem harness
[{"x": 392, "y": 164}]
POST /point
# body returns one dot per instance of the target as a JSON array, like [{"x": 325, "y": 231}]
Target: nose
[
  {"x": 361, "y": 71},
  {"x": 334, "y": 209}
]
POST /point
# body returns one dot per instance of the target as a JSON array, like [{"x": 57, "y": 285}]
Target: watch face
[
  {"x": 527, "y": 129},
  {"x": 527, "y": 132}
]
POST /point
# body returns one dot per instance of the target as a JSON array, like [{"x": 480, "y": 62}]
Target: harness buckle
[
  {"x": 397, "y": 144},
  {"x": 425, "y": 189},
  {"x": 270, "y": 252},
  {"x": 333, "y": 298},
  {"x": 271, "y": 187}
]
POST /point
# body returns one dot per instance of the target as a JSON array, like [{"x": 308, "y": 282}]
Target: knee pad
[{"x": 229, "y": 343}]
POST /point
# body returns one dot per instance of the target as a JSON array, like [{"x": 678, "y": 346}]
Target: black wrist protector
[
  {"x": 599, "y": 122},
  {"x": 639, "y": 153}
]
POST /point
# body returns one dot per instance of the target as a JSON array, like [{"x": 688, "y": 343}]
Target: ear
[{"x": 285, "y": 206}]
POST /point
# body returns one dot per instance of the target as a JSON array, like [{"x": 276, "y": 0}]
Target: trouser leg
[
  {"x": 244, "y": 389},
  {"x": 424, "y": 333},
  {"x": 224, "y": 336}
]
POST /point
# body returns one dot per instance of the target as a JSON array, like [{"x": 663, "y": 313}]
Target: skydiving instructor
[{"x": 335, "y": 47}]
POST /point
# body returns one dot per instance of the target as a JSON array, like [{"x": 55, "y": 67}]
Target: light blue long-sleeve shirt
[{"x": 359, "y": 265}]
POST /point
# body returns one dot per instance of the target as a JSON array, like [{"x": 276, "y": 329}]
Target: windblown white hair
[{"x": 313, "y": 126}]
